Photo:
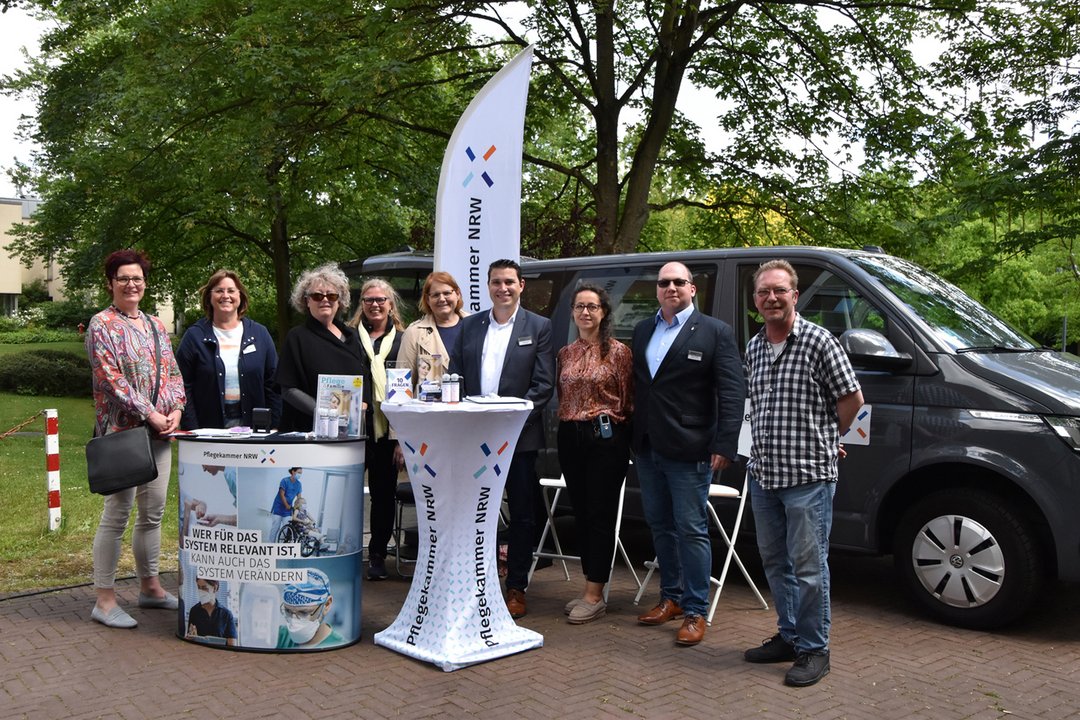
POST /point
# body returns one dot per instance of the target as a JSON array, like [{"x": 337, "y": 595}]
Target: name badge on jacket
[
  {"x": 694, "y": 355},
  {"x": 523, "y": 341},
  {"x": 249, "y": 349}
]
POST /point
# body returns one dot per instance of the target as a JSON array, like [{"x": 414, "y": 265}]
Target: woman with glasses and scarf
[
  {"x": 323, "y": 344},
  {"x": 379, "y": 325}
]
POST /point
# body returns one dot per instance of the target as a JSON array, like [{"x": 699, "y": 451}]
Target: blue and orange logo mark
[
  {"x": 487, "y": 453},
  {"x": 483, "y": 175},
  {"x": 423, "y": 451},
  {"x": 267, "y": 457}
]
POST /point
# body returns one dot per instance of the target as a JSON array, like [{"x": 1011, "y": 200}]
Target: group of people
[{"x": 674, "y": 399}]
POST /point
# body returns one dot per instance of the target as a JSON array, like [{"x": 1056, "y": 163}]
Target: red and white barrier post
[{"x": 52, "y": 466}]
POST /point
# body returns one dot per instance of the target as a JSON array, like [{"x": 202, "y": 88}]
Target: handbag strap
[{"x": 157, "y": 361}]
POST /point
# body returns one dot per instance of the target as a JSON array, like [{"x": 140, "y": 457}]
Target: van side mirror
[{"x": 869, "y": 348}]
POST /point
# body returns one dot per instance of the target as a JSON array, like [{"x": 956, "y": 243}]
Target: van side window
[
  {"x": 633, "y": 296},
  {"x": 824, "y": 299}
]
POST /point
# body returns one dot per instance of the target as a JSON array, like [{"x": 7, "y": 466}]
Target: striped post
[{"x": 52, "y": 466}]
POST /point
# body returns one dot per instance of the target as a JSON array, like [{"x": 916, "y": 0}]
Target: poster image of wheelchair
[
  {"x": 327, "y": 518},
  {"x": 317, "y": 611}
]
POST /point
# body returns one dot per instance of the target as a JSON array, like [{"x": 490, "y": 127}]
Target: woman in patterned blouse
[
  {"x": 120, "y": 345},
  {"x": 596, "y": 401}
]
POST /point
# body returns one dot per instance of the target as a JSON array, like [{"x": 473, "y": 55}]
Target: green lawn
[
  {"x": 32, "y": 557},
  {"x": 75, "y": 347}
]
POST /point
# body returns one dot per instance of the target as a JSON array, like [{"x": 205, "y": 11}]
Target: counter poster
[{"x": 271, "y": 541}]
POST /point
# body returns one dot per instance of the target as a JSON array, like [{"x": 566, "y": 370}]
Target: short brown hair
[
  {"x": 207, "y": 290},
  {"x": 439, "y": 276},
  {"x": 778, "y": 265},
  {"x": 119, "y": 258}
]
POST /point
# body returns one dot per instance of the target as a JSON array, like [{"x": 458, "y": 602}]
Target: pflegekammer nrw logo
[{"x": 472, "y": 158}]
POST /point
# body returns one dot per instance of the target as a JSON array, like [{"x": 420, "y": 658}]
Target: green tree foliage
[{"x": 216, "y": 133}]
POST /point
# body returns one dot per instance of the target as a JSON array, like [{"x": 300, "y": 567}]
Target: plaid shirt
[{"x": 794, "y": 423}]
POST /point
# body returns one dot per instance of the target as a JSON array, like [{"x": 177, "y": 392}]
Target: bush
[
  {"x": 45, "y": 372},
  {"x": 38, "y": 335},
  {"x": 66, "y": 314}
]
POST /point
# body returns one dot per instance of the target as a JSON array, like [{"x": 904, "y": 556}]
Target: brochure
[{"x": 339, "y": 407}]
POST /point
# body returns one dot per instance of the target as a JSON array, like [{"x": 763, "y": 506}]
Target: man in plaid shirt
[{"x": 803, "y": 393}]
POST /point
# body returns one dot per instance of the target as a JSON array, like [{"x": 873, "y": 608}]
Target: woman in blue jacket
[{"x": 227, "y": 360}]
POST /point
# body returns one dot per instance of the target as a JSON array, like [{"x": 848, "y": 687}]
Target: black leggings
[{"x": 594, "y": 469}]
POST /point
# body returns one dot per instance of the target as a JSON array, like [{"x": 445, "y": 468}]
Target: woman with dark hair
[
  {"x": 435, "y": 332},
  {"x": 596, "y": 401},
  {"x": 208, "y": 619},
  {"x": 379, "y": 324},
  {"x": 228, "y": 360},
  {"x": 323, "y": 344},
  {"x": 135, "y": 381}
]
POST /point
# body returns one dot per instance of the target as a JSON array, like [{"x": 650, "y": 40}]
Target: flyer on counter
[{"x": 341, "y": 397}]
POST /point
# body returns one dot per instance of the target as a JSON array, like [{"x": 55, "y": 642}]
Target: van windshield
[{"x": 956, "y": 319}]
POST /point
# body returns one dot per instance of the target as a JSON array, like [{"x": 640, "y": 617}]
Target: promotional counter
[
  {"x": 253, "y": 576},
  {"x": 457, "y": 456}
]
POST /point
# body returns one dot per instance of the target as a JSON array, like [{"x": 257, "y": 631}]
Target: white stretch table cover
[{"x": 457, "y": 456}]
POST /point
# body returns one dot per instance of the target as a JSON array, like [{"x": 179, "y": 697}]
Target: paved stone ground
[{"x": 887, "y": 663}]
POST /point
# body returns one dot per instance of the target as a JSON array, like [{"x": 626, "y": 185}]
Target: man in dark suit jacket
[
  {"x": 508, "y": 352},
  {"x": 689, "y": 395}
]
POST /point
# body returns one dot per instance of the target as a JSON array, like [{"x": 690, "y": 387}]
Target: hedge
[{"x": 45, "y": 372}]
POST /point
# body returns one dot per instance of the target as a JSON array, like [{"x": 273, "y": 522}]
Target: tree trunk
[{"x": 677, "y": 32}]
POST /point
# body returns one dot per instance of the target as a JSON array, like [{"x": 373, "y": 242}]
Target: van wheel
[{"x": 968, "y": 559}]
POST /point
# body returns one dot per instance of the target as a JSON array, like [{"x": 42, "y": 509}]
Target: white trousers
[{"x": 149, "y": 500}]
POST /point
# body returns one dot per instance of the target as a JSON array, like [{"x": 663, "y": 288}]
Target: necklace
[{"x": 136, "y": 316}]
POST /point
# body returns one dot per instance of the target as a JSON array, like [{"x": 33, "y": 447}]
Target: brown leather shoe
[
  {"x": 515, "y": 603},
  {"x": 692, "y": 631},
  {"x": 666, "y": 610}
]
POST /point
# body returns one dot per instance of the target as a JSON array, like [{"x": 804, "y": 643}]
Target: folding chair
[
  {"x": 728, "y": 493},
  {"x": 559, "y": 484},
  {"x": 403, "y": 496}
]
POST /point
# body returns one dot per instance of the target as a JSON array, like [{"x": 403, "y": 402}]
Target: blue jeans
[
  {"x": 792, "y": 526},
  {"x": 673, "y": 494}
]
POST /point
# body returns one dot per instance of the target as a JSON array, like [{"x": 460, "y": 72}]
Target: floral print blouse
[
  {"x": 590, "y": 385},
  {"x": 122, "y": 366}
]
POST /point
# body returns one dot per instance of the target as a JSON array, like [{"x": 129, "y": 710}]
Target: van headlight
[{"x": 1067, "y": 428}]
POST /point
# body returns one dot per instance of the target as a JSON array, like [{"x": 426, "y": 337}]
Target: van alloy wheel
[
  {"x": 969, "y": 557},
  {"x": 958, "y": 561}
]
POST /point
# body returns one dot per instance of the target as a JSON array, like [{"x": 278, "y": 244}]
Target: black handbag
[{"x": 124, "y": 459}]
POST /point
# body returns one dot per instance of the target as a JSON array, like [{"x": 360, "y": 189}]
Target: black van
[{"x": 971, "y": 477}]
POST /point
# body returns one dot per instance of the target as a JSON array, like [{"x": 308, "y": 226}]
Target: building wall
[{"x": 13, "y": 274}]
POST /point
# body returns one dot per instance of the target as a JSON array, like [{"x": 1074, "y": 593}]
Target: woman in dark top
[
  {"x": 380, "y": 328},
  {"x": 596, "y": 400},
  {"x": 208, "y": 619},
  {"x": 228, "y": 360},
  {"x": 323, "y": 344}
]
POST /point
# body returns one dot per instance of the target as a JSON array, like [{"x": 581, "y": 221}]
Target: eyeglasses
[
  {"x": 678, "y": 282},
  {"x": 300, "y": 613},
  {"x": 319, "y": 297},
  {"x": 778, "y": 292},
  {"x": 375, "y": 300},
  {"x": 582, "y": 307},
  {"x": 136, "y": 281},
  {"x": 443, "y": 294}
]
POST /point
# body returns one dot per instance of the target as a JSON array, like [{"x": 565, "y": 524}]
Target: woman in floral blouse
[
  {"x": 596, "y": 401},
  {"x": 120, "y": 345}
]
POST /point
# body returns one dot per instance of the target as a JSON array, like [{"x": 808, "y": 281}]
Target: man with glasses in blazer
[{"x": 689, "y": 390}]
